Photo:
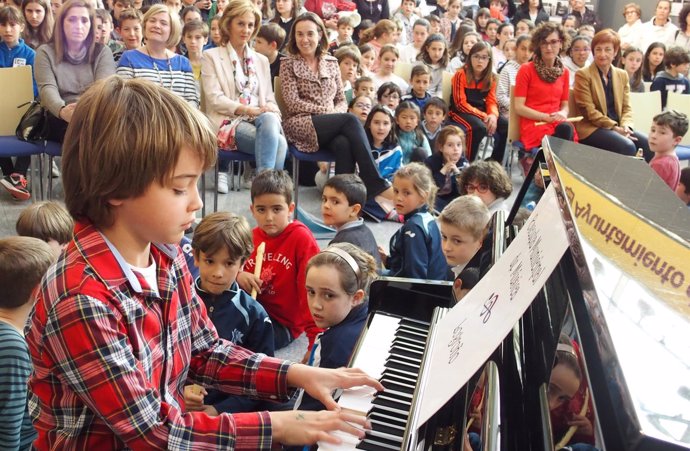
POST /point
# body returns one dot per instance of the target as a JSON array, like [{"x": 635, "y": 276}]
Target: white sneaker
[
  {"x": 222, "y": 187},
  {"x": 54, "y": 171}
]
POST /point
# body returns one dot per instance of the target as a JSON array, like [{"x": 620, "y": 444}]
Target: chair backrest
[
  {"x": 647, "y": 85},
  {"x": 447, "y": 87},
  {"x": 278, "y": 92},
  {"x": 680, "y": 102},
  {"x": 513, "y": 119},
  {"x": 403, "y": 70},
  {"x": 645, "y": 105},
  {"x": 572, "y": 106},
  {"x": 18, "y": 89}
]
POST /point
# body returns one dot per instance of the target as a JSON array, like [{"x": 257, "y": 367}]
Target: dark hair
[
  {"x": 435, "y": 102},
  {"x": 543, "y": 30},
  {"x": 387, "y": 86},
  {"x": 423, "y": 23},
  {"x": 432, "y": 18},
  {"x": 490, "y": 173},
  {"x": 683, "y": 18},
  {"x": 351, "y": 186},
  {"x": 461, "y": 53},
  {"x": 23, "y": 262},
  {"x": 44, "y": 33},
  {"x": 360, "y": 80},
  {"x": 685, "y": 179},
  {"x": 504, "y": 25},
  {"x": 189, "y": 9},
  {"x": 486, "y": 78},
  {"x": 675, "y": 120},
  {"x": 570, "y": 17},
  {"x": 423, "y": 52},
  {"x": 637, "y": 76},
  {"x": 575, "y": 40},
  {"x": 296, "y": 6},
  {"x": 322, "y": 47},
  {"x": 392, "y": 139},
  {"x": 103, "y": 15},
  {"x": 195, "y": 25},
  {"x": 409, "y": 105},
  {"x": 469, "y": 278},
  {"x": 272, "y": 181},
  {"x": 522, "y": 38},
  {"x": 223, "y": 229},
  {"x": 525, "y": 6},
  {"x": 676, "y": 56},
  {"x": 11, "y": 15},
  {"x": 646, "y": 69},
  {"x": 419, "y": 69},
  {"x": 456, "y": 46},
  {"x": 482, "y": 12}
]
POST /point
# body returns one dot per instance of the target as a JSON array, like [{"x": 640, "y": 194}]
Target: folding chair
[
  {"x": 17, "y": 96},
  {"x": 403, "y": 70},
  {"x": 644, "y": 105}
]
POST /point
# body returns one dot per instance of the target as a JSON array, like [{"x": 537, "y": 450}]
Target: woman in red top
[
  {"x": 542, "y": 87},
  {"x": 473, "y": 104}
]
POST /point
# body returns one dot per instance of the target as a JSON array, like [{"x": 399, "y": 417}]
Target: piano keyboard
[{"x": 392, "y": 352}]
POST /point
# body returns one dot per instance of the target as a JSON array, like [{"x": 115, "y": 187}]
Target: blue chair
[
  {"x": 683, "y": 152},
  {"x": 11, "y": 146},
  {"x": 314, "y": 157}
]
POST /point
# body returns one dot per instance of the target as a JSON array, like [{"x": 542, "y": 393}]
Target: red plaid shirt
[{"x": 107, "y": 373}]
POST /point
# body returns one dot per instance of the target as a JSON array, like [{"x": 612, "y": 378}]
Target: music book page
[{"x": 468, "y": 334}]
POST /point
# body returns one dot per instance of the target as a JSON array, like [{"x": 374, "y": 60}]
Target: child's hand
[
  {"x": 383, "y": 255},
  {"x": 297, "y": 427},
  {"x": 210, "y": 411},
  {"x": 583, "y": 425},
  {"x": 248, "y": 282},
  {"x": 491, "y": 122},
  {"x": 194, "y": 398}
]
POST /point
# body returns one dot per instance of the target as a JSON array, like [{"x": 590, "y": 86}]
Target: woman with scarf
[
  {"x": 236, "y": 82},
  {"x": 542, "y": 87}
]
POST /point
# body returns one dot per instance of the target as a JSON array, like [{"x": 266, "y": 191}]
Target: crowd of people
[{"x": 132, "y": 343}]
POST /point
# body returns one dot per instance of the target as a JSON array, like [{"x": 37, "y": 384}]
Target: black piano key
[
  {"x": 375, "y": 445},
  {"x": 393, "y": 401},
  {"x": 402, "y": 355},
  {"x": 392, "y": 387},
  {"x": 403, "y": 376},
  {"x": 381, "y": 440},
  {"x": 391, "y": 405},
  {"x": 387, "y": 426},
  {"x": 389, "y": 419},
  {"x": 402, "y": 343},
  {"x": 419, "y": 340},
  {"x": 423, "y": 325},
  {"x": 396, "y": 364}
]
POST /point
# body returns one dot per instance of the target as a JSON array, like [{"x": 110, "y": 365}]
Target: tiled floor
[{"x": 235, "y": 201}]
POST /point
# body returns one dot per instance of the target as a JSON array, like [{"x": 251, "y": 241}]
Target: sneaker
[
  {"x": 55, "y": 171},
  {"x": 16, "y": 185},
  {"x": 222, "y": 187}
]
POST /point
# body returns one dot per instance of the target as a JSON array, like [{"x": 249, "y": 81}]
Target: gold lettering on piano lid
[{"x": 445, "y": 435}]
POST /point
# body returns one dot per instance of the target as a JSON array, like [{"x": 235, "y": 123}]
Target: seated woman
[
  {"x": 602, "y": 98},
  {"x": 315, "y": 104},
  {"x": 542, "y": 89},
  {"x": 236, "y": 81},
  {"x": 153, "y": 61},
  {"x": 66, "y": 67}
]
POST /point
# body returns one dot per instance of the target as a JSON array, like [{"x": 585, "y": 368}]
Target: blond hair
[
  {"x": 23, "y": 262},
  {"x": 421, "y": 178},
  {"x": 469, "y": 214},
  {"x": 235, "y": 9},
  {"x": 350, "y": 280},
  {"x": 124, "y": 136},
  {"x": 175, "y": 25},
  {"x": 46, "y": 221}
]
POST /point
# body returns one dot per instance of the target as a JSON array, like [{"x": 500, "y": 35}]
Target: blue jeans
[{"x": 264, "y": 139}]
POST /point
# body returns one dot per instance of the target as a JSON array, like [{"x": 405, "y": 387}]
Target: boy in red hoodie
[{"x": 289, "y": 246}]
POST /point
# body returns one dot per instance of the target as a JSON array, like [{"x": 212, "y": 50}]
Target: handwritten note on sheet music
[{"x": 469, "y": 333}]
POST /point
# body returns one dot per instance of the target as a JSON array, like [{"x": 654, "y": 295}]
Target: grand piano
[{"x": 620, "y": 292}]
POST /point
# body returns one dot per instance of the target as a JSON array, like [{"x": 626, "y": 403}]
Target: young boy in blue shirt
[
  {"x": 23, "y": 262},
  {"x": 14, "y": 52},
  {"x": 117, "y": 329},
  {"x": 222, "y": 243}
]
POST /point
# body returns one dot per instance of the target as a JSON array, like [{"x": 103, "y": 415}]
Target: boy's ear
[
  {"x": 356, "y": 208},
  {"x": 273, "y": 45},
  {"x": 291, "y": 208},
  {"x": 117, "y": 30},
  {"x": 677, "y": 140}
]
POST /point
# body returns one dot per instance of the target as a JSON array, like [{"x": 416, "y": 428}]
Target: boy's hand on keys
[
  {"x": 298, "y": 427},
  {"x": 248, "y": 282}
]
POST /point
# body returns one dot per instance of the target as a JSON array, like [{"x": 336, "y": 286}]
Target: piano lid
[{"x": 634, "y": 234}]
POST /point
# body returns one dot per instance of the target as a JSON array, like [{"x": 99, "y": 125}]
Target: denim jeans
[{"x": 264, "y": 139}]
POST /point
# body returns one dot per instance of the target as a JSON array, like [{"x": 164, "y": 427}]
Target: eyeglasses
[
  {"x": 480, "y": 57},
  {"x": 582, "y": 50},
  {"x": 390, "y": 96},
  {"x": 363, "y": 106},
  {"x": 480, "y": 188},
  {"x": 551, "y": 43},
  {"x": 630, "y": 12}
]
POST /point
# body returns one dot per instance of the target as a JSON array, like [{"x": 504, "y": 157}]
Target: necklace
[{"x": 155, "y": 67}]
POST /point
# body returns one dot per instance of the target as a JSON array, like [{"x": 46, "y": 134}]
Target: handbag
[
  {"x": 226, "y": 133},
  {"x": 33, "y": 126}
]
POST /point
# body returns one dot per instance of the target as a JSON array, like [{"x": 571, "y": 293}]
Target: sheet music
[{"x": 471, "y": 331}]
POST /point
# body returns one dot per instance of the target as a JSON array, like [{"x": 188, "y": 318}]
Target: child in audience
[
  {"x": 348, "y": 62},
  {"x": 105, "y": 32},
  {"x": 506, "y": 32},
  {"x": 488, "y": 181},
  {"x": 269, "y": 40},
  {"x": 506, "y": 79},
  {"x": 570, "y": 23},
  {"x": 434, "y": 23},
  {"x": 683, "y": 188},
  {"x": 367, "y": 60},
  {"x": 586, "y": 30},
  {"x": 434, "y": 54},
  {"x": 474, "y": 105},
  {"x": 48, "y": 221},
  {"x": 490, "y": 34},
  {"x": 578, "y": 56},
  {"x": 420, "y": 31},
  {"x": 461, "y": 58},
  {"x": 672, "y": 78},
  {"x": 415, "y": 248},
  {"x": 214, "y": 25},
  {"x": 446, "y": 163},
  {"x": 653, "y": 61},
  {"x": 130, "y": 30},
  {"x": 388, "y": 57},
  {"x": 289, "y": 246},
  {"x": 464, "y": 223},
  {"x": 344, "y": 36},
  {"x": 360, "y": 107},
  {"x": 222, "y": 243},
  {"x": 343, "y": 198},
  {"x": 524, "y": 26},
  {"x": 118, "y": 7},
  {"x": 451, "y": 21},
  {"x": 195, "y": 37},
  {"x": 668, "y": 129},
  {"x": 364, "y": 86},
  {"x": 287, "y": 11},
  {"x": 337, "y": 283},
  {"x": 383, "y": 139},
  {"x": 39, "y": 22},
  {"x": 389, "y": 95},
  {"x": 190, "y": 13},
  {"x": 23, "y": 262},
  {"x": 14, "y": 52},
  {"x": 632, "y": 63},
  {"x": 407, "y": 17},
  {"x": 434, "y": 112},
  {"x": 115, "y": 304},
  {"x": 455, "y": 47},
  {"x": 379, "y": 35},
  {"x": 420, "y": 79},
  {"x": 412, "y": 140}
]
